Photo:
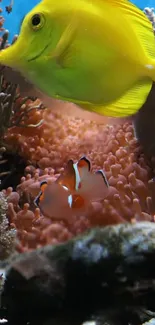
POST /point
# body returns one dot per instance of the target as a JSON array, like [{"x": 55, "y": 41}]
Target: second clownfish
[{"x": 73, "y": 191}]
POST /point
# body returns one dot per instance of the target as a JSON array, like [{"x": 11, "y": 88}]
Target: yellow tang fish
[{"x": 98, "y": 54}]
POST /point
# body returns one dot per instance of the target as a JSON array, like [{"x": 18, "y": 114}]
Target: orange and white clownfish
[{"x": 73, "y": 191}]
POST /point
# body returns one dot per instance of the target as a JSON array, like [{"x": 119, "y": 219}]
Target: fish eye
[{"x": 37, "y": 21}]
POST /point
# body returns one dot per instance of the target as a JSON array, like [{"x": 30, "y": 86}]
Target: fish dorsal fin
[
  {"x": 84, "y": 168},
  {"x": 142, "y": 25},
  {"x": 68, "y": 177},
  {"x": 135, "y": 27},
  {"x": 102, "y": 174},
  {"x": 84, "y": 163}
]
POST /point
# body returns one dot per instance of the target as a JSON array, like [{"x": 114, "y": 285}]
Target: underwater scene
[{"x": 77, "y": 162}]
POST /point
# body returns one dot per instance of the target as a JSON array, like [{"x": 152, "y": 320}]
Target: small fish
[
  {"x": 79, "y": 179},
  {"x": 9, "y": 8},
  {"x": 53, "y": 201},
  {"x": 73, "y": 191},
  {"x": 74, "y": 51}
]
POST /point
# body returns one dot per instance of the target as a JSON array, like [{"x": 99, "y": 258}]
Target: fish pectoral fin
[
  {"x": 128, "y": 104},
  {"x": 65, "y": 58},
  {"x": 64, "y": 50}
]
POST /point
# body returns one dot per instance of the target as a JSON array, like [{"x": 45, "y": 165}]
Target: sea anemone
[{"x": 113, "y": 149}]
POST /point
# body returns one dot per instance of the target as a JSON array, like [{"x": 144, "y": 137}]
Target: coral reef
[
  {"x": 7, "y": 235},
  {"x": 46, "y": 141},
  {"x": 151, "y": 15},
  {"x": 1, "y": 21}
]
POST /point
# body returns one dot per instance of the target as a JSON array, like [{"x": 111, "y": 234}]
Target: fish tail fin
[{"x": 142, "y": 49}]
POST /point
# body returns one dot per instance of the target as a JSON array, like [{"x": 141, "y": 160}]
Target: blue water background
[{"x": 21, "y": 7}]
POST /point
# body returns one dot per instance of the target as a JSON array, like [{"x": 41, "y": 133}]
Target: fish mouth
[{"x": 39, "y": 54}]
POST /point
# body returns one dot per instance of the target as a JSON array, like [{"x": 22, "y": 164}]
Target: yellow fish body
[{"x": 98, "y": 54}]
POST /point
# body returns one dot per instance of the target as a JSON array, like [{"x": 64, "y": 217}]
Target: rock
[{"x": 105, "y": 268}]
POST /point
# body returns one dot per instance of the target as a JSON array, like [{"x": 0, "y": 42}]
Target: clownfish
[{"x": 73, "y": 191}]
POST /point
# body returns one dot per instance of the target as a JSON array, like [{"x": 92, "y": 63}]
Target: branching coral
[{"x": 15, "y": 111}]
